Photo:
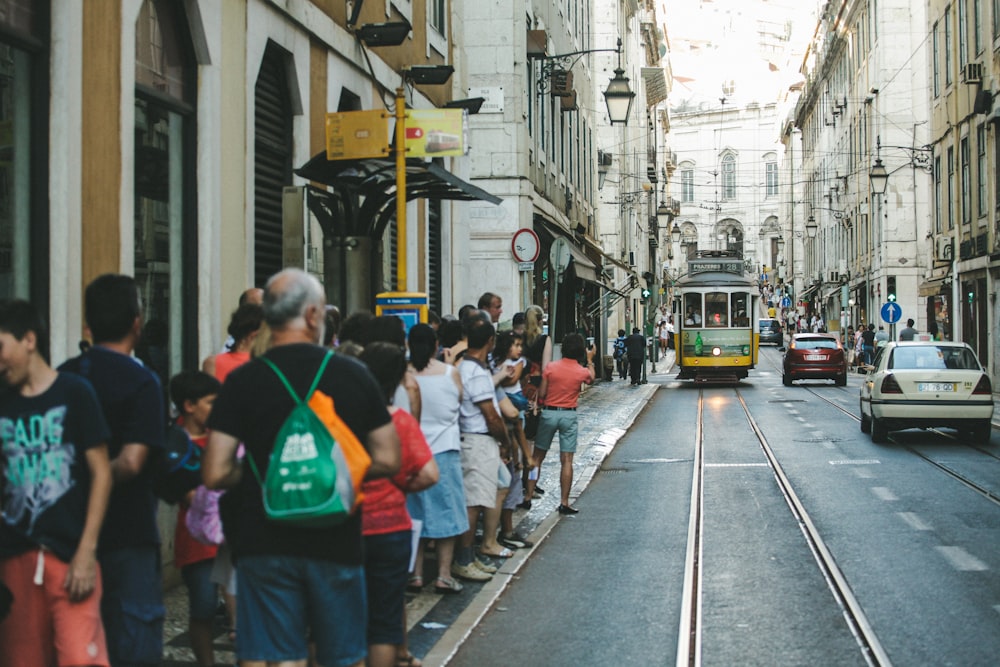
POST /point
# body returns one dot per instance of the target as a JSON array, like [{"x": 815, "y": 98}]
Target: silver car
[{"x": 926, "y": 383}]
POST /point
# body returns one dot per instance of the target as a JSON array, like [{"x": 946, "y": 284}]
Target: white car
[{"x": 926, "y": 383}]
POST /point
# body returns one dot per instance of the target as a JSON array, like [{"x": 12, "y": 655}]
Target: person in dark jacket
[{"x": 635, "y": 349}]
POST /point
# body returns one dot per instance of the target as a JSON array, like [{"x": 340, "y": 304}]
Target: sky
[{"x": 755, "y": 44}]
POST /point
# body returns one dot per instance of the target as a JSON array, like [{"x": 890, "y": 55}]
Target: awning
[
  {"x": 931, "y": 287},
  {"x": 585, "y": 268},
  {"x": 374, "y": 179},
  {"x": 807, "y": 292},
  {"x": 832, "y": 293},
  {"x": 620, "y": 264}
]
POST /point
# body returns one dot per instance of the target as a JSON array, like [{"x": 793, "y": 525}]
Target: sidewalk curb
[{"x": 448, "y": 645}]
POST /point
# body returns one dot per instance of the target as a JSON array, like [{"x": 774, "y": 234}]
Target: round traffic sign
[{"x": 891, "y": 312}]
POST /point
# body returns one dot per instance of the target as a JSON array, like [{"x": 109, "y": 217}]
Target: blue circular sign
[{"x": 891, "y": 312}]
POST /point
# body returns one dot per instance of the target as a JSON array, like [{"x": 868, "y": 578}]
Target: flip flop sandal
[
  {"x": 447, "y": 586},
  {"x": 504, "y": 553},
  {"x": 415, "y": 584}
]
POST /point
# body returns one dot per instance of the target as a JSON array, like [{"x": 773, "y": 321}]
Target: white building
[{"x": 866, "y": 99}]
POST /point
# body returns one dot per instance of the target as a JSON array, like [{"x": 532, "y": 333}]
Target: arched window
[
  {"x": 274, "y": 109},
  {"x": 165, "y": 186},
  {"x": 729, "y": 177}
]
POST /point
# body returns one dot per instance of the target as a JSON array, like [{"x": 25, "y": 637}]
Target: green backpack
[{"x": 308, "y": 481}]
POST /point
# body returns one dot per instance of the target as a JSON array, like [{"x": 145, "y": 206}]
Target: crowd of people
[{"x": 456, "y": 417}]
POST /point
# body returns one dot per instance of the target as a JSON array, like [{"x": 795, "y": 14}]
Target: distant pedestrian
[
  {"x": 620, "y": 356},
  {"x": 132, "y": 402},
  {"x": 868, "y": 344},
  {"x": 881, "y": 336},
  {"x": 908, "y": 333},
  {"x": 635, "y": 350},
  {"x": 57, "y": 480},
  {"x": 295, "y": 582},
  {"x": 559, "y": 395}
]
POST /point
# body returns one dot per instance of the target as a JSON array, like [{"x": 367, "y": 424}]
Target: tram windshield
[
  {"x": 692, "y": 310},
  {"x": 716, "y": 309}
]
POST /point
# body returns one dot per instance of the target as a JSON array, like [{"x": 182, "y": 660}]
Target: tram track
[
  {"x": 993, "y": 496},
  {"x": 689, "y": 636}
]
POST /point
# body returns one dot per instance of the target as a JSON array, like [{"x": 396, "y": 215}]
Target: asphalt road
[{"x": 918, "y": 549}]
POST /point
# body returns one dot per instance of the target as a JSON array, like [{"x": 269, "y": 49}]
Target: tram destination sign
[{"x": 703, "y": 266}]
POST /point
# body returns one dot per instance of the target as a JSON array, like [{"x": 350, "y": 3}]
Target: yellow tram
[{"x": 715, "y": 319}]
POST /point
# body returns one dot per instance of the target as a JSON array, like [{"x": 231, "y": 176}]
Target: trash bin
[{"x": 608, "y": 366}]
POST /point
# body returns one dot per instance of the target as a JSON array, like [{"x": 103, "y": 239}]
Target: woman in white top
[{"x": 441, "y": 508}]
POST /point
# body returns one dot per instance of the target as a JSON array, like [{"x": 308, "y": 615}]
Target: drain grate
[
  {"x": 611, "y": 471},
  {"x": 787, "y": 400}
]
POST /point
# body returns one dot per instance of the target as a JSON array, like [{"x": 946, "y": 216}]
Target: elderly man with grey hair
[{"x": 292, "y": 580}]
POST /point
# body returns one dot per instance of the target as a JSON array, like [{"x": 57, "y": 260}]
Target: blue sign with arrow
[{"x": 891, "y": 312}]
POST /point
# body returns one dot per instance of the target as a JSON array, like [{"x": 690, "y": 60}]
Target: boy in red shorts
[{"x": 54, "y": 491}]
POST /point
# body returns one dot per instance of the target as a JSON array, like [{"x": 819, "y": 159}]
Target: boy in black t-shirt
[{"x": 55, "y": 487}]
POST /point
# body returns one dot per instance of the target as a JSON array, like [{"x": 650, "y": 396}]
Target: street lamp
[
  {"x": 618, "y": 96},
  {"x": 675, "y": 234},
  {"x": 663, "y": 215},
  {"x": 811, "y": 227},
  {"x": 878, "y": 177}
]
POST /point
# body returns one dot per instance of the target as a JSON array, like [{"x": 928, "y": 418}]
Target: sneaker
[
  {"x": 469, "y": 572},
  {"x": 539, "y": 490},
  {"x": 484, "y": 566},
  {"x": 566, "y": 510}
]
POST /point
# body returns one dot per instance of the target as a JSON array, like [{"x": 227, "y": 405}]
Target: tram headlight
[{"x": 716, "y": 351}]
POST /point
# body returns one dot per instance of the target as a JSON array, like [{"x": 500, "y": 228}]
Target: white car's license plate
[
  {"x": 815, "y": 357},
  {"x": 936, "y": 386}
]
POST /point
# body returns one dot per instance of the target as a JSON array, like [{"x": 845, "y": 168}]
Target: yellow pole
[{"x": 400, "y": 190}]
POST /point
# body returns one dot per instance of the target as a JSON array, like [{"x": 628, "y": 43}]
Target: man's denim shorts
[
  {"x": 282, "y": 598},
  {"x": 562, "y": 422}
]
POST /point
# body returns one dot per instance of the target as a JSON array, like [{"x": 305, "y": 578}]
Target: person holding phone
[{"x": 558, "y": 396}]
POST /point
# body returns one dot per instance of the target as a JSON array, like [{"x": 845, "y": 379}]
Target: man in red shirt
[{"x": 558, "y": 396}]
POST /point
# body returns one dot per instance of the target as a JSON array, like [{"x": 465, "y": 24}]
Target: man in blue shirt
[{"x": 132, "y": 402}]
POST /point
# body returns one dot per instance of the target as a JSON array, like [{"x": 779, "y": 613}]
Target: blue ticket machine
[{"x": 411, "y": 307}]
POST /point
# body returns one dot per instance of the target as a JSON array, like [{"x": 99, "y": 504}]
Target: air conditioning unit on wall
[{"x": 972, "y": 73}]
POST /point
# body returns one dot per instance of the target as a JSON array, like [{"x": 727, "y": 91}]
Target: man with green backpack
[{"x": 310, "y": 420}]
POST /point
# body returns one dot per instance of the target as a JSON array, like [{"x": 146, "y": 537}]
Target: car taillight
[
  {"x": 890, "y": 386},
  {"x": 983, "y": 386}
]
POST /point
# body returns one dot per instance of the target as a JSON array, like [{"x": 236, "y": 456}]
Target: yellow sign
[
  {"x": 354, "y": 135},
  {"x": 436, "y": 132}
]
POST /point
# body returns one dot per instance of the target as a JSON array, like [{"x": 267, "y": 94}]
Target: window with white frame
[
  {"x": 771, "y": 179},
  {"x": 687, "y": 185},
  {"x": 729, "y": 177}
]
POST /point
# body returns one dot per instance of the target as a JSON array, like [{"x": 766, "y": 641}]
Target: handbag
[
  {"x": 203, "y": 520},
  {"x": 531, "y": 418}
]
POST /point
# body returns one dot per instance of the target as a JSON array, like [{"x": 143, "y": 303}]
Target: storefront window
[
  {"x": 163, "y": 115},
  {"x": 15, "y": 172}
]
